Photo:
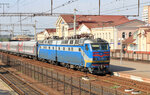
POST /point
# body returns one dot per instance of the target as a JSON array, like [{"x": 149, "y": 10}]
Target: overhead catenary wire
[
  {"x": 126, "y": 6},
  {"x": 15, "y": 5},
  {"x": 123, "y": 8},
  {"x": 120, "y": 10},
  {"x": 114, "y": 1},
  {"x": 62, "y": 5},
  {"x": 116, "y": 9}
]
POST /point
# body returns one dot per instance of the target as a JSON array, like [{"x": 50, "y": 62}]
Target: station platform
[
  {"x": 5, "y": 89},
  {"x": 139, "y": 71}
]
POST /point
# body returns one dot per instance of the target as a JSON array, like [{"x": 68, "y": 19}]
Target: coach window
[
  {"x": 63, "y": 48},
  {"x": 68, "y": 49},
  {"x": 86, "y": 47},
  {"x": 53, "y": 48},
  {"x": 58, "y": 48}
]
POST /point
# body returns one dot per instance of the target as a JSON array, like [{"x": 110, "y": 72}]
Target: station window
[
  {"x": 123, "y": 35},
  {"x": 109, "y": 36},
  {"x": 130, "y": 34}
]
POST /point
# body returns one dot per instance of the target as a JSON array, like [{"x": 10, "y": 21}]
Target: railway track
[
  {"x": 17, "y": 84},
  {"x": 110, "y": 81},
  {"x": 124, "y": 84}
]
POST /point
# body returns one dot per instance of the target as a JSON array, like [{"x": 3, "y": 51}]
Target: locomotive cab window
[{"x": 100, "y": 46}]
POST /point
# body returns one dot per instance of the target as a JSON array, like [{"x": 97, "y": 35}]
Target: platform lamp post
[
  {"x": 120, "y": 50},
  {"x": 75, "y": 23},
  {"x": 35, "y": 35}
]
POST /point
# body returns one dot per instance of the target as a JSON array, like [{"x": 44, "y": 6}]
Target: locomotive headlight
[
  {"x": 108, "y": 58},
  {"x": 95, "y": 59}
]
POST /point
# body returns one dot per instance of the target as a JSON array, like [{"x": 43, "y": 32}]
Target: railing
[
  {"x": 131, "y": 56},
  {"x": 58, "y": 81}
]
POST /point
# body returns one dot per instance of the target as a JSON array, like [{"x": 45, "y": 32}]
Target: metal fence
[
  {"x": 65, "y": 84},
  {"x": 131, "y": 56}
]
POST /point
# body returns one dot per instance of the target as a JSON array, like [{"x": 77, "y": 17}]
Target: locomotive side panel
[
  {"x": 64, "y": 54},
  {"x": 69, "y": 54},
  {"x": 47, "y": 52}
]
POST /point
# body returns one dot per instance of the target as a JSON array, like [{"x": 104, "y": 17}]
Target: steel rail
[{"x": 20, "y": 86}]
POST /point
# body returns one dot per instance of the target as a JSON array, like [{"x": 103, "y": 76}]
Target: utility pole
[
  {"x": 3, "y": 6},
  {"x": 18, "y": 6},
  {"x": 99, "y": 7},
  {"x": 121, "y": 50},
  {"x": 12, "y": 31},
  {"x": 0, "y": 30},
  {"x": 51, "y": 7},
  {"x": 35, "y": 36},
  {"x": 138, "y": 7},
  {"x": 75, "y": 22},
  {"x": 21, "y": 26}
]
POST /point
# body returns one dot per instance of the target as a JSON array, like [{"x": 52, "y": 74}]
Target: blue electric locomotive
[{"x": 83, "y": 54}]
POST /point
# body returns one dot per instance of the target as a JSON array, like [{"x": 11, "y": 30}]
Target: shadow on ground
[
  {"x": 115, "y": 68},
  {"x": 3, "y": 72},
  {"x": 5, "y": 66}
]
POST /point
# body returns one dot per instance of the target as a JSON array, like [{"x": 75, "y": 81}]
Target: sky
[{"x": 89, "y": 7}]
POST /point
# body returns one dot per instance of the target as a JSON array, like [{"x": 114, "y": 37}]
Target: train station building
[
  {"x": 112, "y": 28},
  {"x": 47, "y": 33},
  {"x": 140, "y": 41}
]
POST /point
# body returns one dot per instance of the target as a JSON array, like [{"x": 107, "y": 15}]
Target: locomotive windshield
[{"x": 99, "y": 46}]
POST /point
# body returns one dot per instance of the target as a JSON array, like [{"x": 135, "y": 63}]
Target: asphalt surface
[{"x": 140, "y": 69}]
